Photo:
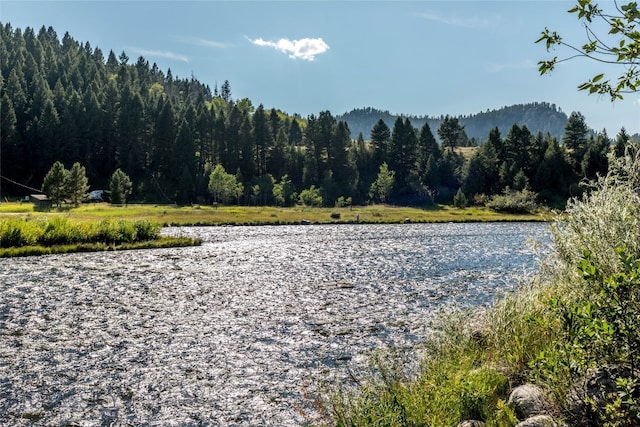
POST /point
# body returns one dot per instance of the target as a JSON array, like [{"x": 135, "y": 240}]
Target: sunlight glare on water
[{"x": 231, "y": 332}]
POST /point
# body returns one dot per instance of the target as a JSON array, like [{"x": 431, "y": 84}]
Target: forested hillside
[
  {"x": 179, "y": 141},
  {"x": 537, "y": 117}
]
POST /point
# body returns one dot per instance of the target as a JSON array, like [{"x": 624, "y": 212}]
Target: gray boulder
[
  {"x": 471, "y": 423},
  {"x": 528, "y": 400},
  {"x": 538, "y": 421}
]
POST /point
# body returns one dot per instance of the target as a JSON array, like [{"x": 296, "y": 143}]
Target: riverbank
[
  {"x": 168, "y": 215},
  {"x": 570, "y": 332},
  {"x": 44, "y": 234}
]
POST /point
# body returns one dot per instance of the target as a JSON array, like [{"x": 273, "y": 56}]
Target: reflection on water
[{"x": 230, "y": 333}]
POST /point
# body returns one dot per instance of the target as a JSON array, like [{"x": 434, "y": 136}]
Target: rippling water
[{"x": 231, "y": 332}]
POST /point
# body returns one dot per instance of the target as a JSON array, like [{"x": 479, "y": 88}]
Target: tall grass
[
  {"x": 475, "y": 359},
  {"x": 19, "y": 232}
]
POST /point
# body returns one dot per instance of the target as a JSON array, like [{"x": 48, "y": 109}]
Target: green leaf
[{"x": 597, "y": 78}]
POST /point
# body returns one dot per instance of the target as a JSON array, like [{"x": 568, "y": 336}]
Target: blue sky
[{"x": 410, "y": 57}]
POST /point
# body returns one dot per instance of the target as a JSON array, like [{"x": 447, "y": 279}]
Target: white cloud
[
  {"x": 472, "y": 22},
  {"x": 306, "y": 48},
  {"x": 160, "y": 54}
]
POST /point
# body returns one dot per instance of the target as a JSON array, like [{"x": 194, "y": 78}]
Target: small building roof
[{"x": 40, "y": 197}]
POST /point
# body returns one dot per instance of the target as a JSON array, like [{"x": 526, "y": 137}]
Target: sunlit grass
[
  {"x": 13, "y": 207},
  {"x": 270, "y": 215},
  {"x": 42, "y": 234}
]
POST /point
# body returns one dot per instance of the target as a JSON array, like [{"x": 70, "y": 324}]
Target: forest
[{"x": 180, "y": 141}]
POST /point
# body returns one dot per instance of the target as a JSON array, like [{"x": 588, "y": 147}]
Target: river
[{"x": 233, "y": 332}]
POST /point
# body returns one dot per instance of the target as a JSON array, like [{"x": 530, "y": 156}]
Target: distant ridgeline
[{"x": 537, "y": 117}]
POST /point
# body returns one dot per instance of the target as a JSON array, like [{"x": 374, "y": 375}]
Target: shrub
[
  {"x": 343, "y": 202},
  {"x": 460, "y": 201},
  {"x": 14, "y": 233},
  {"x": 112, "y": 231},
  {"x": 516, "y": 202},
  {"x": 60, "y": 231},
  {"x": 310, "y": 197},
  {"x": 147, "y": 230}
]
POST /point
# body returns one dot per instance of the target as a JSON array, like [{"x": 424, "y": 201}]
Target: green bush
[
  {"x": 310, "y": 197},
  {"x": 14, "y": 233},
  {"x": 596, "y": 332},
  {"x": 116, "y": 231},
  {"x": 60, "y": 231},
  {"x": 516, "y": 202},
  {"x": 147, "y": 230}
]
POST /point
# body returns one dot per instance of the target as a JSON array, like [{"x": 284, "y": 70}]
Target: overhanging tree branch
[{"x": 624, "y": 50}]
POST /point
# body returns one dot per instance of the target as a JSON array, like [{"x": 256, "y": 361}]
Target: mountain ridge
[{"x": 537, "y": 116}]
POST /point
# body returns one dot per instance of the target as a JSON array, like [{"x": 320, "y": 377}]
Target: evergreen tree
[
  {"x": 429, "y": 156},
  {"x": 76, "y": 184},
  {"x": 120, "y": 187},
  {"x": 183, "y": 164},
  {"x": 402, "y": 153},
  {"x": 594, "y": 161},
  {"x": 338, "y": 163},
  {"x": 481, "y": 175},
  {"x": 247, "y": 165},
  {"x": 11, "y": 147},
  {"x": 262, "y": 140},
  {"x": 54, "y": 184},
  {"x": 164, "y": 135},
  {"x": 232, "y": 133},
  {"x": 364, "y": 174},
  {"x": 575, "y": 138},
  {"x": 312, "y": 152},
  {"x": 452, "y": 133},
  {"x": 460, "y": 200},
  {"x": 225, "y": 91},
  {"x": 278, "y": 156},
  {"x": 380, "y": 136},
  {"x": 622, "y": 141},
  {"x": 554, "y": 175},
  {"x": 295, "y": 133}
]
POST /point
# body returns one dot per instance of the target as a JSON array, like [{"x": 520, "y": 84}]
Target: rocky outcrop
[{"x": 528, "y": 400}]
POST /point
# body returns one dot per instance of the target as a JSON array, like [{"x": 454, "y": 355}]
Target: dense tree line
[{"x": 181, "y": 142}]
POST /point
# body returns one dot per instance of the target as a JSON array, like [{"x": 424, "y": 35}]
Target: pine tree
[
  {"x": 380, "y": 135},
  {"x": 622, "y": 141},
  {"x": 428, "y": 157},
  {"x": 76, "y": 183},
  {"x": 54, "y": 184},
  {"x": 452, "y": 133},
  {"x": 120, "y": 187},
  {"x": 402, "y": 153},
  {"x": 575, "y": 138},
  {"x": 262, "y": 138}
]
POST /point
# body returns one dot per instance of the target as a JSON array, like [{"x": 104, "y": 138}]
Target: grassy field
[{"x": 266, "y": 215}]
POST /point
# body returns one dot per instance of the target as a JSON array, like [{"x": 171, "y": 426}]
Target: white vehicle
[{"x": 97, "y": 195}]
